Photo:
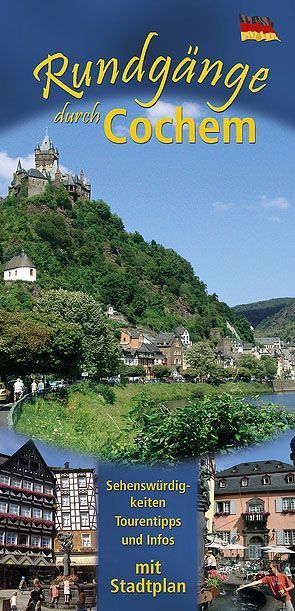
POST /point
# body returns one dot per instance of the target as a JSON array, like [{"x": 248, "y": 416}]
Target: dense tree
[
  {"x": 160, "y": 371},
  {"x": 85, "y": 248},
  {"x": 249, "y": 366},
  {"x": 98, "y": 353},
  {"x": 201, "y": 358}
]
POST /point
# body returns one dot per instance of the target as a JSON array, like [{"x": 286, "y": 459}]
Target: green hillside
[
  {"x": 257, "y": 312},
  {"x": 84, "y": 247},
  {"x": 281, "y": 324}
]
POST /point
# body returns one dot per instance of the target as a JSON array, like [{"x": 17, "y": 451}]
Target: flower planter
[
  {"x": 215, "y": 591},
  {"x": 205, "y": 596}
]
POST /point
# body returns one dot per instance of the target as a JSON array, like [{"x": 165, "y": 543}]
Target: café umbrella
[
  {"x": 235, "y": 546},
  {"x": 277, "y": 549}
]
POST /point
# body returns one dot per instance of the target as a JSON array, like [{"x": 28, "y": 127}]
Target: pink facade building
[{"x": 255, "y": 506}]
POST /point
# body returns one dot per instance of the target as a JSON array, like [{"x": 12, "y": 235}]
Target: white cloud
[
  {"x": 221, "y": 206},
  {"x": 280, "y": 203},
  {"x": 275, "y": 219},
  {"x": 8, "y": 166},
  {"x": 121, "y": 130},
  {"x": 166, "y": 109}
]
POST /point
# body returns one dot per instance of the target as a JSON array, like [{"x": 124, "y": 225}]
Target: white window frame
[
  {"x": 16, "y": 482},
  {"x": 66, "y": 519},
  {"x": 288, "y": 503},
  {"x": 63, "y": 481},
  {"x": 12, "y": 507},
  {"x": 83, "y": 500},
  {"x": 25, "y": 511},
  {"x": 63, "y": 503},
  {"x": 39, "y": 510},
  {"x": 224, "y": 535},
  {"x": 4, "y": 479},
  {"x": 84, "y": 517},
  {"x": 48, "y": 489},
  {"x": 289, "y": 537},
  {"x": 10, "y": 535},
  {"x": 47, "y": 514},
  {"x": 27, "y": 485},
  {"x": 2, "y": 504},
  {"x": 38, "y": 487},
  {"x": 83, "y": 479},
  {"x": 47, "y": 540},
  {"x": 38, "y": 537},
  {"x": 86, "y": 540}
]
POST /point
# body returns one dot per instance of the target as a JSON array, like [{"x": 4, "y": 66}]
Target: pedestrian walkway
[
  {"x": 4, "y": 411},
  {"x": 22, "y": 598}
]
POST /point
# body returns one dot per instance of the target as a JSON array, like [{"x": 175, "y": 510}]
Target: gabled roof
[
  {"x": 134, "y": 333},
  {"x": 267, "y": 340},
  {"x": 28, "y": 448},
  {"x": 164, "y": 339},
  {"x": 34, "y": 173},
  {"x": 180, "y": 330},
  {"x": 21, "y": 260},
  {"x": 68, "y": 180}
]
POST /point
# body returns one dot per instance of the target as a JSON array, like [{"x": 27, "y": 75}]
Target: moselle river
[{"x": 284, "y": 399}]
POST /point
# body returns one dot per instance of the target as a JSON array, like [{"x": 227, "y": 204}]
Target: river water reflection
[
  {"x": 235, "y": 602},
  {"x": 284, "y": 399}
]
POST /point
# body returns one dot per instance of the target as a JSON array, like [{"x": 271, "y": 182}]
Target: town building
[
  {"x": 184, "y": 336},
  {"x": 27, "y": 499},
  {"x": 20, "y": 268},
  {"x": 171, "y": 346},
  {"x": 76, "y": 514},
  {"x": 47, "y": 171},
  {"x": 255, "y": 505},
  {"x": 269, "y": 345},
  {"x": 37, "y": 503},
  {"x": 147, "y": 355}
]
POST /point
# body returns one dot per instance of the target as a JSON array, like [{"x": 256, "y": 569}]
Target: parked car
[
  {"x": 5, "y": 393},
  {"x": 57, "y": 384}
]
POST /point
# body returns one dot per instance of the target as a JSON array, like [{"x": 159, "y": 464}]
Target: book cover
[{"x": 147, "y": 336}]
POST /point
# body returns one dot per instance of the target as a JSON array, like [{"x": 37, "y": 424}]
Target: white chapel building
[{"x": 20, "y": 268}]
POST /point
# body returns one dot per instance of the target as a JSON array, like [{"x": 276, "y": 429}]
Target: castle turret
[{"x": 46, "y": 157}]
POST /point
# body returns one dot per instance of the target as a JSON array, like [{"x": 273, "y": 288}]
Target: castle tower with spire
[
  {"x": 47, "y": 171},
  {"x": 46, "y": 157}
]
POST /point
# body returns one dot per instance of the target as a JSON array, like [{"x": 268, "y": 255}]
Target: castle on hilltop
[{"x": 47, "y": 171}]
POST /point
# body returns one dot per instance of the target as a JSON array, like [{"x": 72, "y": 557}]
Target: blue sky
[
  {"x": 228, "y": 209},
  {"x": 276, "y": 449},
  {"x": 53, "y": 456}
]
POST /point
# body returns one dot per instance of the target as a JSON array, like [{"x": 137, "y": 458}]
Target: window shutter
[
  {"x": 280, "y": 537},
  {"x": 279, "y": 505},
  {"x": 233, "y": 507},
  {"x": 233, "y": 536},
  {"x": 215, "y": 507}
]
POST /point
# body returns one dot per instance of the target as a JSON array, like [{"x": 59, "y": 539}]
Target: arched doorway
[{"x": 254, "y": 550}]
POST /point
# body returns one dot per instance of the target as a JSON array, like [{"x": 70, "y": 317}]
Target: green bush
[{"x": 209, "y": 424}]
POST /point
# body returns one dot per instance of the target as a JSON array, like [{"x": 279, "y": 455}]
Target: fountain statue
[{"x": 66, "y": 541}]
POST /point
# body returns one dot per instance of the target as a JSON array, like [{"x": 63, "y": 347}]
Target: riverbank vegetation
[{"x": 101, "y": 421}]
